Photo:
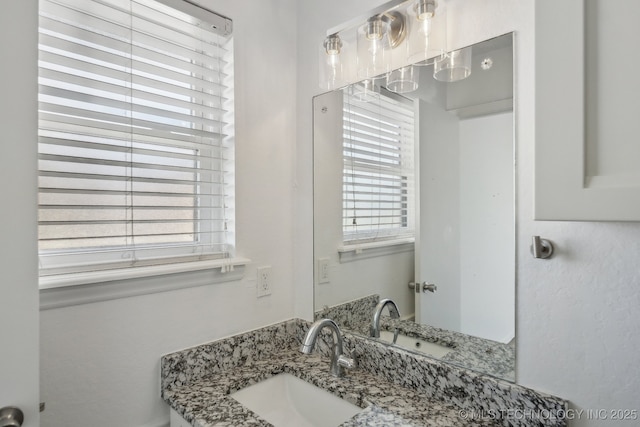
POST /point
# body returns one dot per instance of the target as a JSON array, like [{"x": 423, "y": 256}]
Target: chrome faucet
[
  {"x": 393, "y": 312},
  {"x": 339, "y": 360}
]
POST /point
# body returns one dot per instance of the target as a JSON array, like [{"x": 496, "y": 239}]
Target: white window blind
[
  {"x": 135, "y": 134},
  {"x": 378, "y": 179}
]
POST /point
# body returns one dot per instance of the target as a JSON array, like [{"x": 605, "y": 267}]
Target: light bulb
[
  {"x": 333, "y": 59},
  {"x": 425, "y": 9},
  {"x": 373, "y": 30},
  {"x": 424, "y": 27},
  {"x": 333, "y": 68},
  {"x": 332, "y": 45}
]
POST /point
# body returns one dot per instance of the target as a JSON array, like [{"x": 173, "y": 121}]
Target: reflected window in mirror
[{"x": 378, "y": 170}]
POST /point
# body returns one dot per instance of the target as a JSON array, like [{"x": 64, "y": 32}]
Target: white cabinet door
[
  {"x": 587, "y": 110},
  {"x": 19, "y": 359}
]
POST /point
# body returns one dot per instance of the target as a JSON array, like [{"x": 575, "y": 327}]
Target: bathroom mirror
[{"x": 451, "y": 269}]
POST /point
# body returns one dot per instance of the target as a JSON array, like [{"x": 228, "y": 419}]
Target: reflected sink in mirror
[
  {"x": 431, "y": 349},
  {"x": 287, "y": 401}
]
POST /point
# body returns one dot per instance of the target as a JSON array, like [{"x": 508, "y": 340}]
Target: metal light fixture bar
[{"x": 363, "y": 18}]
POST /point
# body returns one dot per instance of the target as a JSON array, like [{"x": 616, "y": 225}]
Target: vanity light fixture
[
  {"x": 397, "y": 35},
  {"x": 396, "y": 27}
]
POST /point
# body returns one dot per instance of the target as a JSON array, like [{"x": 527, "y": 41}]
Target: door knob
[
  {"x": 541, "y": 248},
  {"x": 425, "y": 287},
  {"x": 10, "y": 416},
  {"x": 429, "y": 287}
]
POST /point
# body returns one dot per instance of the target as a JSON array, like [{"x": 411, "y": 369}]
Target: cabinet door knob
[{"x": 10, "y": 416}]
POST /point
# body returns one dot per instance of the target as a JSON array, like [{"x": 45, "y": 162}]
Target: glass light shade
[
  {"x": 365, "y": 91},
  {"x": 403, "y": 79},
  {"x": 373, "y": 48},
  {"x": 427, "y": 41},
  {"x": 331, "y": 70},
  {"x": 336, "y": 60},
  {"x": 455, "y": 66}
]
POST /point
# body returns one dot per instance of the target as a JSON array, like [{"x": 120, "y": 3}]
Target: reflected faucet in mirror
[{"x": 393, "y": 312}]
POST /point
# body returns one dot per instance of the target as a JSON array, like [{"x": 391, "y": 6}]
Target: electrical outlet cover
[
  {"x": 323, "y": 270},
  {"x": 263, "y": 282}
]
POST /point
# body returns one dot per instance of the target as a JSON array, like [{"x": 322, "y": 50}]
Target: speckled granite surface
[
  {"x": 206, "y": 402},
  {"x": 395, "y": 387},
  {"x": 475, "y": 353},
  {"x": 353, "y": 315}
]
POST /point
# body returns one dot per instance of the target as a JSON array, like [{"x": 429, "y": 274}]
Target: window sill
[
  {"x": 350, "y": 253},
  {"x": 82, "y": 288}
]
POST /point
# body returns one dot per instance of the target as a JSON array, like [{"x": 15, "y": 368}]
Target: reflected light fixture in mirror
[
  {"x": 403, "y": 80},
  {"x": 454, "y": 67},
  {"x": 365, "y": 91}
]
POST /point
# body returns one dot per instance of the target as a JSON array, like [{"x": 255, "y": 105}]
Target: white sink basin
[
  {"x": 435, "y": 350},
  {"x": 287, "y": 401}
]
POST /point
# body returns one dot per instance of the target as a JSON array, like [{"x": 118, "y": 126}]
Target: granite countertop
[
  {"x": 482, "y": 355},
  {"x": 490, "y": 357},
  {"x": 206, "y": 401},
  {"x": 393, "y": 386}
]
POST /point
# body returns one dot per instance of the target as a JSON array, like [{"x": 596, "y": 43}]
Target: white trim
[
  {"x": 75, "y": 279},
  {"x": 355, "y": 252},
  {"x": 83, "y": 288}
]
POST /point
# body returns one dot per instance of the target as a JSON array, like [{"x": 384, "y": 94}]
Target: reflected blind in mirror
[
  {"x": 135, "y": 135},
  {"x": 378, "y": 175}
]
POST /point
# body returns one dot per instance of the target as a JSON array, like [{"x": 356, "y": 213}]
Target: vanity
[{"x": 390, "y": 386}]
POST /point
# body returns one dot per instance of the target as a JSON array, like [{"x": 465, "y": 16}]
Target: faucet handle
[{"x": 347, "y": 362}]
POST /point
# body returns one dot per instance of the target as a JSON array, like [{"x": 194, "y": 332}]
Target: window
[
  {"x": 378, "y": 178},
  {"x": 135, "y": 134}
]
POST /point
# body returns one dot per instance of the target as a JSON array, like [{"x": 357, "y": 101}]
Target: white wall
[
  {"x": 100, "y": 362},
  {"x": 577, "y": 316}
]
